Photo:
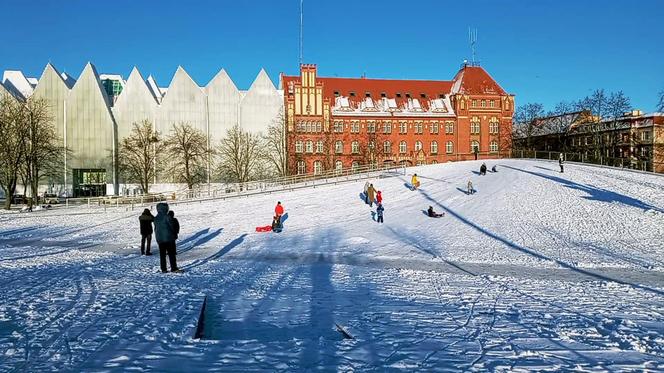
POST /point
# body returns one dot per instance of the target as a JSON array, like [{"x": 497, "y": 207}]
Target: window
[
  {"x": 493, "y": 147},
  {"x": 371, "y": 145},
  {"x": 387, "y": 147},
  {"x": 434, "y": 162},
  {"x": 338, "y": 126},
  {"x": 367, "y": 94},
  {"x": 308, "y": 126},
  {"x": 371, "y": 126},
  {"x": 319, "y": 146},
  {"x": 355, "y": 165},
  {"x": 463, "y": 104},
  {"x": 449, "y": 147},
  {"x": 492, "y": 103},
  {"x": 645, "y": 136},
  {"x": 644, "y": 152},
  {"x": 483, "y": 103},
  {"x": 475, "y": 147},
  {"x": 418, "y": 145},
  {"x": 434, "y": 147},
  {"x": 383, "y": 94},
  {"x": 475, "y": 125},
  {"x": 339, "y": 147},
  {"x": 407, "y": 95},
  {"x": 310, "y": 146},
  {"x": 318, "y": 167},
  {"x": 403, "y": 147},
  {"x": 299, "y": 146},
  {"x": 355, "y": 147},
  {"x": 352, "y": 94},
  {"x": 418, "y": 127},
  {"x": 336, "y": 93},
  {"x": 493, "y": 125},
  {"x": 433, "y": 127},
  {"x": 423, "y": 95},
  {"x": 338, "y": 166},
  {"x": 355, "y": 127},
  {"x": 301, "y": 168},
  {"x": 399, "y": 94},
  {"x": 319, "y": 127},
  {"x": 387, "y": 126},
  {"x": 474, "y": 103},
  {"x": 403, "y": 127},
  {"x": 449, "y": 127}
]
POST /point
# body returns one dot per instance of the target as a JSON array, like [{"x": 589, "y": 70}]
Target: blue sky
[{"x": 542, "y": 51}]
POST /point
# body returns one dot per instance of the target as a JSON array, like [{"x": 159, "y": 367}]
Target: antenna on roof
[
  {"x": 301, "y": 28},
  {"x": 472, "y": 39}
]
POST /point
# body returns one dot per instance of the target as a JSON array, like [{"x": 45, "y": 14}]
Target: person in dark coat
[
  {"x": 493, "y": 169},
  {"x": 146, "y": 220},
  {"x": 483, "y": 169},
  {"x": 165, "y": 234},
  {"x": 433, "y": 214},
  {"x": 561, "y": 161},
  {"x": 379, "y": 212}
]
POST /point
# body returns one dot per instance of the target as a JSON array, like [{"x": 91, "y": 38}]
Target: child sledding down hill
[{"x": 433, "y": 214}]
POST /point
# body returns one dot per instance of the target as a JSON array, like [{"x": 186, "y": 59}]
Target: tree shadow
[
  {"x": 594, "y": 194},
  {"x": 535, "y": 254}
]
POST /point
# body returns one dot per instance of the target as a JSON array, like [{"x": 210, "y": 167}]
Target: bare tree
[
  {"x": 275, "y": 144},
  {"x": 526, "y": 122},
  {"x": 559, "y": 122},
  {"x": 42, "y": 150},
  {"x": 604, "y": 107},
  {"x": 13, "y": 142},
  {"x": 239, "y": 155},
  {"x": 188, "y": 148},
  {"x": 138, "y": 152},
  {"x": 660, "y": 104}
]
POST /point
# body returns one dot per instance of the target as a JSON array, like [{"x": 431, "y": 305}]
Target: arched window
[
  {"x": 310, "y": 146},
  {"x": 434, "y": 162},
  {"x": 355, "y": 147},
  {"x": 301, "y": 168},
  {"x": 318, "y": 167},
  {"x": 319, "y": 146},
  {"x": 475, "y": 125},
  {"x": 493, "y": 125},
  {"x": 403, "y": 147},
  {"x": 434, "y": 147},
  {"x": 493, "y": 147},
  {"x": 474, "y": 147},
  {"x": 418, "y": 145},
  {"x": 339, "y": 147},
  {"x": 449, "y": 147},
  {"x": 299, "y": 146},
  {"x": 339, "y": 166},
  {"x": 355, "y": 165},
  {"x": 387, "y": 147}
]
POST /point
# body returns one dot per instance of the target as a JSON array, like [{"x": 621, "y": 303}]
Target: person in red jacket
[
  {"x": 379, "y": 197},
  {"x": 279, "y": 210}
]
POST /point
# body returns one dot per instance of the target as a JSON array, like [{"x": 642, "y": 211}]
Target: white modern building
[{"x": 93, "y": 113}]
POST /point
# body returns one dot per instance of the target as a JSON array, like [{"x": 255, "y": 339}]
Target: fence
[{"x": 626, "y": 163}]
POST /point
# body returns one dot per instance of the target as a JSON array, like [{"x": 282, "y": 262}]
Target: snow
[{"x": 539, "y": 270}]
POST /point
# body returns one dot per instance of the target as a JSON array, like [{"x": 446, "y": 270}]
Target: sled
[{"x": 266, "y": 228}]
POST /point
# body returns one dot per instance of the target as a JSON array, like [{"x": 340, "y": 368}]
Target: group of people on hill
[
  {"x": 166, "y": 231},
  {"x": 371, "y": 195}
]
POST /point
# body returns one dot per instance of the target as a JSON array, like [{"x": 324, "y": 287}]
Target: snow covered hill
[{"x": 537, "y": 270}]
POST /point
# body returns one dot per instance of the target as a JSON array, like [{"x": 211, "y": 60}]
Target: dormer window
[
  {"x": 383, "y": 94},
  {"x": 442, "y": 95},
  {"x": 407, "y": 95},
  {"x": 399, "y": 94},
  {"x": 336, "y": 93},
  {"x": 423, "y": 95},
  {"x": 352, "y": 94},
  {"x": 367, "y": 94}
]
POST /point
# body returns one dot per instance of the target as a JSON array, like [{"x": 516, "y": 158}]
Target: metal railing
[{"x": 624, "y": 163}]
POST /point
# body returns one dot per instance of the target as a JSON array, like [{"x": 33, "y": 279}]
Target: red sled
[{"x": 267, "y": 228}]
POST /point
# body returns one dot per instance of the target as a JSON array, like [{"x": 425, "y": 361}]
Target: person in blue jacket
[{"x": 166, "y": 234}]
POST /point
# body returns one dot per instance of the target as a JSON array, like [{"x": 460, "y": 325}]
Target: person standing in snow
[
  {"x": 561, "y": 161},
  {"x": 483, "y": 169},
  {"x": 371, "y": 194},
  {"x": 164, "y": 229},
  {"x": 471, "y": 190},
  {"x": 379, "y": 212},
  {"x": 414, "y": 183},
  {"x": 379, "y": 197},
  {"x": 145, "y": 221}
]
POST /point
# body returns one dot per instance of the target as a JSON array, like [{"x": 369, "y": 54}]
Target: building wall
[
  {"x": 261, "y": 104},
  {"x": 135, "y": 104}
]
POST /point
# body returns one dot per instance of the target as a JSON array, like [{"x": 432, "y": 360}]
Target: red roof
[{"x": 474, "y": 80}]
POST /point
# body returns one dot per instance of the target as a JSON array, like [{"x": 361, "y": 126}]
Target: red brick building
[{"x": 336, "y": 123}]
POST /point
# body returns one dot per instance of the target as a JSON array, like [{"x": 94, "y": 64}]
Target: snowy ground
[{"x": 538, "y": 270}]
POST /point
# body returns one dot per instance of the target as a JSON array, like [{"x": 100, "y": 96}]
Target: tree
[
  {"x": 42, "y": 152},
  {"x": 188, "y": 148},
  {"x": 138, "y": 152},
  {"x": 13, "y": 140},
  {"x": 526, "y": 120},
  {"x": 239, "y": 155},
  {"x": 606, "y": 109},
  {"x": 660, "y": 104},
  {"x": 559, "y": 122},
  {"x": 275, "y": 144}
]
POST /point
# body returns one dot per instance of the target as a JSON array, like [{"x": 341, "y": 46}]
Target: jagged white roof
[
  {"x": 154, "y": 88},
  {"x": 68, "y": 79},
  {"x": 14, "y": 80}
]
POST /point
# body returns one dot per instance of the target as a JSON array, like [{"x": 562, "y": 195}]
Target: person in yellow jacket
[{"x": 414, "y": 182}]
